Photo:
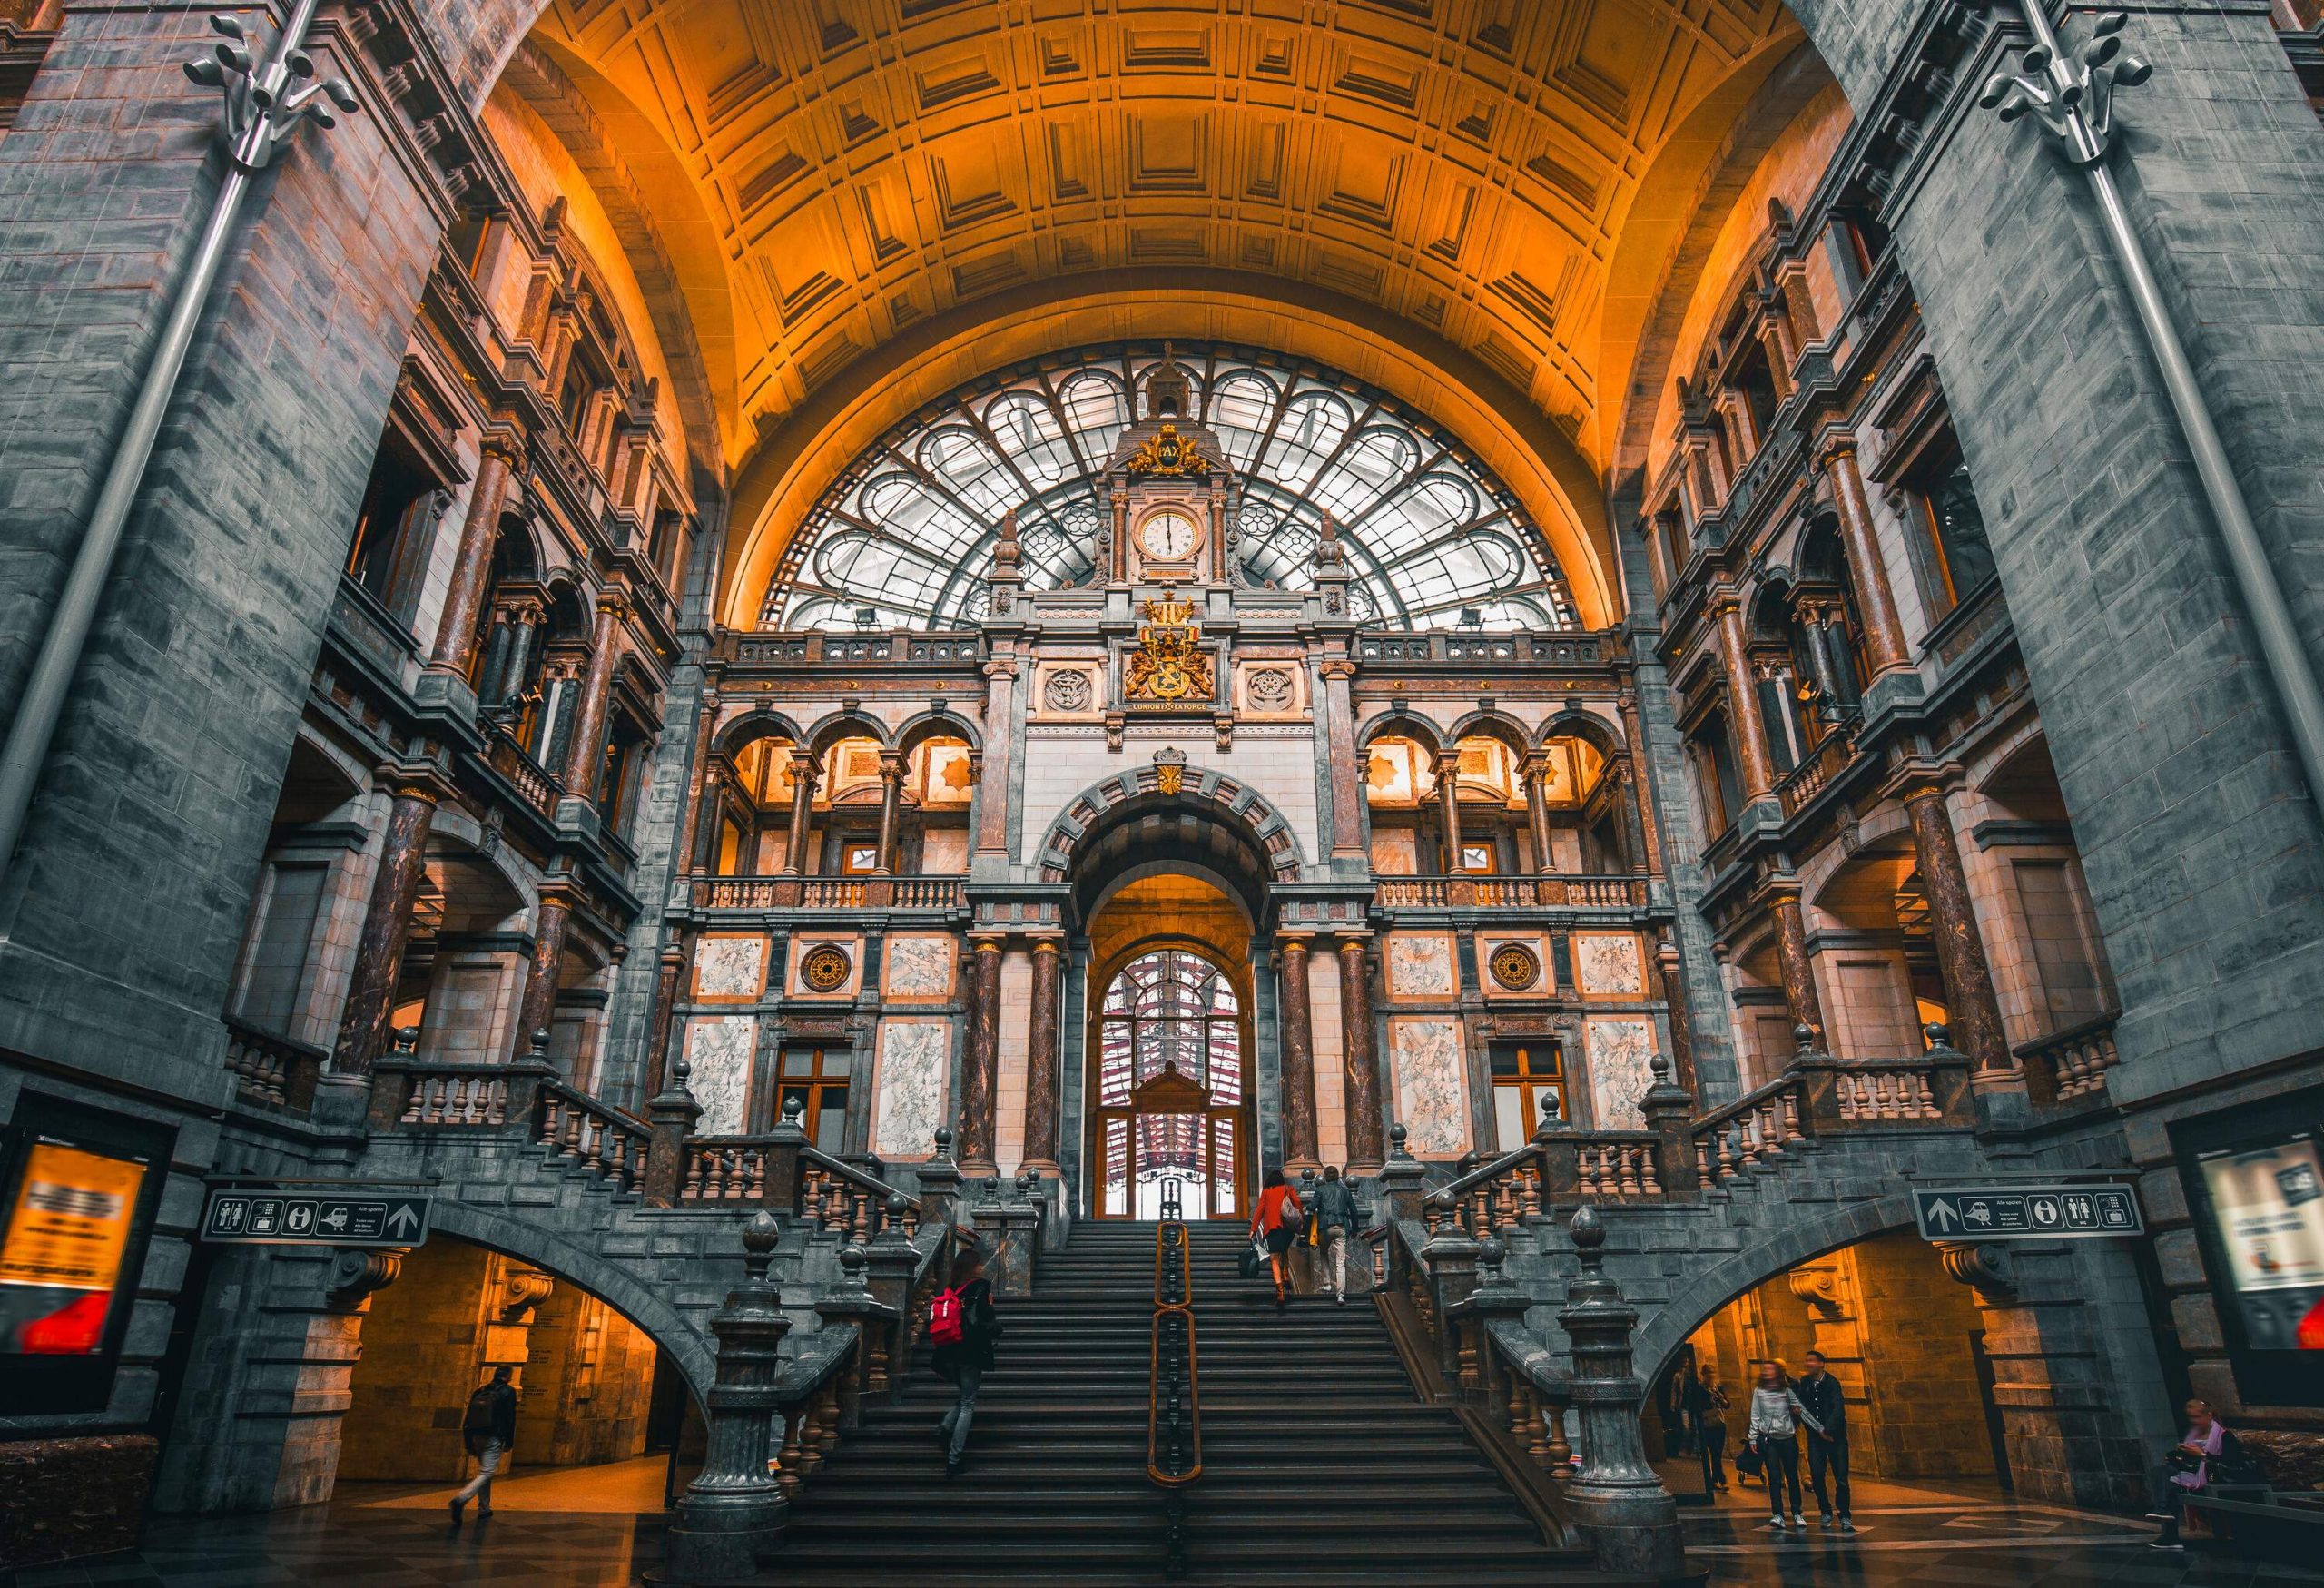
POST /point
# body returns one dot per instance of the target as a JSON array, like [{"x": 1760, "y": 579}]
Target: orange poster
[{"x": 70, "y": 1225}]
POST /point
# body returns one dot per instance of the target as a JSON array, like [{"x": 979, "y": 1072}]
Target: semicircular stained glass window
[{"x": 905, "y": 538}]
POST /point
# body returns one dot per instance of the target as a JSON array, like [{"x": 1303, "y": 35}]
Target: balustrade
[
  {"x": 2070, "y": 1065},
  {"x": 506, "y": 756},
  {"x": 827, "y": 893},
  {"x": 271, "y": 1069},
  {"x": 1486, "y": 893}
]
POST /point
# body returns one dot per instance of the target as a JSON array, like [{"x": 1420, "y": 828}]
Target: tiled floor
[{"x": 599, "y": 1527}]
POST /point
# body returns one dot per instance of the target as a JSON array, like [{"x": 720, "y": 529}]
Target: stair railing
[{"x": 1173, "y": 1392}]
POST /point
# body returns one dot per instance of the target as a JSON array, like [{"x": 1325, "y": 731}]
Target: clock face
[{"x": 1169, "y": 536}]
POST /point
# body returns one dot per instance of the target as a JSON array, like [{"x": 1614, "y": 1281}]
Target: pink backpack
[{"x": 944, "y": 1323}]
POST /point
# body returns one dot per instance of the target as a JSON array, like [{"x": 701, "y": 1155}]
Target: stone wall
[{"x": 423, "y": 1354}]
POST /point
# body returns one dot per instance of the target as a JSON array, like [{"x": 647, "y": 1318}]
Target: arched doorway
[{"x": 1171, "y": 1084}]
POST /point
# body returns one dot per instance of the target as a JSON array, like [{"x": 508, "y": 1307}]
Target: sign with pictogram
[
  {"x": 242, "y": 1217},
  {"x": 1982, "y": 1213}
]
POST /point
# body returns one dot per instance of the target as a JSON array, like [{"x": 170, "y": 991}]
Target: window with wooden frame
[
  {"x": 1525, "y": 1075},
  {"x": 818, "y": 1077},
  {"x": 389, "y": 554},
  {"x": 1952, "y": 555},
  {"x": 858, "y": 855}
]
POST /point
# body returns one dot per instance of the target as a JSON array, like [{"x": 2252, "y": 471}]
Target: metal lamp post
[
  {"x": 265, "y": 105},
  {"x": 2075, "y": 102}
]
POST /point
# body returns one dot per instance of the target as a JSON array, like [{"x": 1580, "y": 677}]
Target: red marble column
[
  {"x": 1042, "y": 1060},
  {"x": 539, "y": 1006},
  {"x": 1883, "y": 634},
  {"x": 472, "y": 566},
  {"x": 992, "y": 793},
  {"x": 698, "y": 775},
  {"x": 802, "y": 813},
  {"x": 1672, "y": 975},
  {"x": 1366, "y": 1141},
  {"x": 1536, "y": 811},
  {"x": 387, "y": 925},
  {"x": 891, "y": 789},
  {"x": 586, "y": 761},
  {"x": 981, "y": 1072},
  {"x": 1798, "y": 975},
  {"x": 1298, "y": 1049},
  {"x": 1347, "y": 766},
  {"x": 1970, "y": 1006},
  {"x": 1749, "y": 729},
  {"x": 1649, "y": 819},
  {"x": 1447, "y": 799},
  {"x": 669, "y": 977}
]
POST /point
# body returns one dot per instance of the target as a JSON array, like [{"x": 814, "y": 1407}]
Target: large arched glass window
[
  {"x": 1171, "y": 1090},
  {"x": 905, "y": 538}
]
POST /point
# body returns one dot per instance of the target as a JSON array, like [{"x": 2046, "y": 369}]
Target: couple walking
[
  {"x": 1779, "y": 1408},
  {"x": 1280, "y": 1220}
]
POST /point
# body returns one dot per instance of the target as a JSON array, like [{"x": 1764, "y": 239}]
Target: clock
[{"x": 1169, "y": 537}]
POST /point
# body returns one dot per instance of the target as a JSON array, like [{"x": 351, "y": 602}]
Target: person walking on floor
[
  {"x": 1278, "y": 1219},
  {"x": 1776, "y": 1419},
  {"x": 488, "y": 1431},
  {"x": 962, "y": 1325},
  {"x": 1826, "y": 1405},
  {"x": 1336, "y": 1216},
  {"x": 1704, "y": 1404}
]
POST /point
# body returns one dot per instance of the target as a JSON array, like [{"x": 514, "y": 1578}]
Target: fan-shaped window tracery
[{"x": 905, "y": 539}]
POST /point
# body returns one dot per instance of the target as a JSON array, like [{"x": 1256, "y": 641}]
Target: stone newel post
[
  {"x": 1632, "y": 1519},
  {"x": 735, "y": 1512}
]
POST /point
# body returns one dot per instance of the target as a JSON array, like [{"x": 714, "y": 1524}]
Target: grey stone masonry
[{"x": 2201, "y": 848}]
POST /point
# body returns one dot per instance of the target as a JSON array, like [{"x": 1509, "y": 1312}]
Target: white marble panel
[
  {"x": 1420, "y": 965},
  {"x": 719, "y": 1050},
  {"x": 915, "y": 1058},
  {"x": 1621, "y": 1059},
  {"x": 729, "y": 967},
  {"x": 1432, "y": 1086},
  {"x": 921, "y": 967},
  {"x": 1606, "y": 964}
]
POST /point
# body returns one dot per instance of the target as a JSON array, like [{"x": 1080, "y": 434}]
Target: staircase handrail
[
  {"x": 591, "y": 1132},
  {"x": 1173, "y": 1390},
  {"x": 815, "y": 1391},
  {"x": 862, "y": 1179}
]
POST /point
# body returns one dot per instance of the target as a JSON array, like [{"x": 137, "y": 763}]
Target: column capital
[
  {"x": 1832, "y": 445},
  {"x": 502, "y": 440},
  {"x": 1335, "y": 668},
  {"x": 613, "y": 602},
  {"x": 1049, "y": 942}
]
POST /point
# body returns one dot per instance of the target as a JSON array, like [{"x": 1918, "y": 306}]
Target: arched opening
[{"x": 1170, "y": 1082}]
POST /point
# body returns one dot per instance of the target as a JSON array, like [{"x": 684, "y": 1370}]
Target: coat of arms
[
  {"x": 1168, "y": 663},
  {"x": 1167, "y": 452}
]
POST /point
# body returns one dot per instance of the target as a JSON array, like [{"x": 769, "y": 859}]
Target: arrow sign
[
  {"x": 2002, "y": 1211},
  {"x": 264, "y": 1216}
]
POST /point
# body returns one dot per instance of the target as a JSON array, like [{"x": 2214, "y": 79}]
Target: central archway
[{"x": 1170, "y": 1080}]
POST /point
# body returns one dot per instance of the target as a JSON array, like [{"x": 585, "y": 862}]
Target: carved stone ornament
[
  {"x": 1067, "y": 690},
  {"x": 826, "y": 968},
  {"x": 1168, "y": 665},
  {"x": 1169, "y": 770},
  {"x": 1515, "y": 966},
  {"x": 1271, "y": 689},
  {"x": 1166, "y": 452}
]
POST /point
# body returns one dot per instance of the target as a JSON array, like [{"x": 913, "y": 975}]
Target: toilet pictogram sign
[
  {"x": 242, "y": 1217},
  {"x": 2006, "y": 1212}
]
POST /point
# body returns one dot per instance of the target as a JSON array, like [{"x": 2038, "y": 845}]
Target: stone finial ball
[
  {"x": 851, "y": 1260},
  {"x": 759, "y": 1235},
  {"x": 1399, "y": 1136},
  {"x": 793, "y": 1106},
  {"x": 1491, "y": 1252},
  {"x": 1589, "y": 1231},
  {"x": 1938, "y": 1034},
  {"x": 1804, "y": 1036}
]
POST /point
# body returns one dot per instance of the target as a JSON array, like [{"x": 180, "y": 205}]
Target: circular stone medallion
[
  {"x": 1515, "y": 966},
  {"x": 826, "y": 968}
]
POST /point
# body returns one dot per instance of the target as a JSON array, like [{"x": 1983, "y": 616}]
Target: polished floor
[{"x": 599, "y": 1527}]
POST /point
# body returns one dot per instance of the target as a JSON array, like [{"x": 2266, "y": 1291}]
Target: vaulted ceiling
[{"x": 1478, "y": 192}]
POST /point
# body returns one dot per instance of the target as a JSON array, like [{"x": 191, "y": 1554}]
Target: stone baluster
[{"x": 1617, "y": 1497}]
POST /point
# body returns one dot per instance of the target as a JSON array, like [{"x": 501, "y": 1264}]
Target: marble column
[
  {"x": 1347, "y": 766},
  {"x": 803, "y": 812},
  {"x": 1537, "y": 810},
  {"x": 1639, "y": 777},
  {"x": 1749, "y": 729},
  {"x": 525, "y": 620},
  {"x": 1041, "y": 1059},
  {"x": 1971, "y": 1009},
  {"x": 669, "y": 977},
  {"x": 387, "y": 925},
  {"x": 472, "y": 565},
  {"x": 586, "y": 763},
  {"x": 690, "y": 823},
  {"x": 539, "y": 1006},
  {"x": 1672, "y": 975},
  {"x": 1298, "y": 1047},
  {"x": 992, "y": 793},
  {"x": 1799, "y": 973},
  {"x": 980, "y": 1071},
  {"x": 1366, "y": 1149},
  {"x": 1448, "y": 799},
  {"x": 891, "y": 788},
  {"x": 1883, "y": 634}
]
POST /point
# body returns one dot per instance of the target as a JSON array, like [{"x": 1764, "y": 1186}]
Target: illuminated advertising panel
[
  {"x": 61, "y": 1257},
  {"x": 2254, "y": 1177}
]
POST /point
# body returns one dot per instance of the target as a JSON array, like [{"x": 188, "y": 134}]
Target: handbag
[
  {"x": 1254, "y": 1258},
  {"x": 1749, "y": 1462}
]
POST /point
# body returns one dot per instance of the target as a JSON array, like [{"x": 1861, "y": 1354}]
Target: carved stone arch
[
  {"x": 1574, "y": 723},
  {"x": 932, "y": 725},
  {"x": 1201, "y": 791},
  {"x": 1491, "y": 725},
  {"x": 761, "y": 722},
  {"x": 845, "y": 725},
  {"x": 1415, "y": 726}
]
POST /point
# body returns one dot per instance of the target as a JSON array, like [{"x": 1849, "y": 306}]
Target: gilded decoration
[
  {"x": 1168, "y": 665},
  {"x": 1166, "y": 452},
  {"x": 1515, "y": 966},
  {"x": 826, "y": 968}
]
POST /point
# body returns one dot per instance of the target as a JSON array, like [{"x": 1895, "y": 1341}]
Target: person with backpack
[
  {"x": 1336, "y": 1214},
  {"x": 962, "y": 1326},
  {"x": 1277, "y": 1220},
  {"x": 488, "y": 1431}
]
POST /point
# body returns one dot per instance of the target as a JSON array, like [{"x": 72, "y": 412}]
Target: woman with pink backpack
[{"x": 962, "y": 1327}]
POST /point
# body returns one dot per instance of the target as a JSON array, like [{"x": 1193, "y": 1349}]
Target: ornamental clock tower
[{"x": 1168, "y": 493}]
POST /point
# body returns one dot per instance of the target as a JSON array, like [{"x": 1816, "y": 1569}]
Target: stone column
[
  {"x": 1672, "y": 975},
  {"x": 525, "y": 618},
  {"x": 1537, "y": 810},
  {"x": 586, "y": 762},
  {"x": 1883, "y": 634},
  {"x": 697, "y": 774},
  {"x": 538, "y": 1007},
  {"x": 1774, "y": 339},
  {"x": 1366, "y": 1152},
  {"x": 735, "y": 1512},
  {"x": 1298, "y": 1048},
  {"x": 1632, "y": 1519},
  {"x": 891, "y": 788},
  {"x": 980, "y": 1074},
  {"x": 1970, "y": 1009},
  {"x": 387, "y": 925},
  {"x": 1042, "y": 1060},
  {"x": 1644, "y": 784},
  {"x": 1448, "y": 799},
  {"x": 1347, "y": 769},
  {"x": 669, "y": 977},
  {"x": 1799, "y": 973},
  {"x": 999, "y": 729},
  {"x": 1749, "y": 729},
  {"x": 472, "y": 567},
  {"x": 803, "y": 812}
]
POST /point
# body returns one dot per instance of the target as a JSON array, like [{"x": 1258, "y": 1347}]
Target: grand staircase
[{"x": 1321, "y": 1465}]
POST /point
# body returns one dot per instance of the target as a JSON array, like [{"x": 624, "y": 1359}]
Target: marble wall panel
[
  {"x": 719, "y": 1050},
  {"x": 1606, "y": 964},
  {"x": 915, "y": 1061},
  {"x": 1620, "y": 1056},
  {"x": 730, "y": 967},
  {"x": 1432, "y": 1086},
  {"x": 1421, "y": 965},
  {"x": 921, "y": 966}
]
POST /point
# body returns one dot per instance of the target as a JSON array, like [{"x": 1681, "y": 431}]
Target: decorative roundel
[
  {"x": 826, "y": 968},
  {"x": 1515, "y": 966}
]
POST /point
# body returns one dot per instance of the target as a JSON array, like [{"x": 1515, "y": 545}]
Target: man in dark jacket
[
  {"x": 490, "y": 1430},
  {"x": 1827, "y": 1406},
  {"x": 1336, "y": 1217}
]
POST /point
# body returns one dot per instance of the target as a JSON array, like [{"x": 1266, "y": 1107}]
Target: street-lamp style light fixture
[
  {"x": 2075, "y": 102},
  {"x": 265, "y": 105}
]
